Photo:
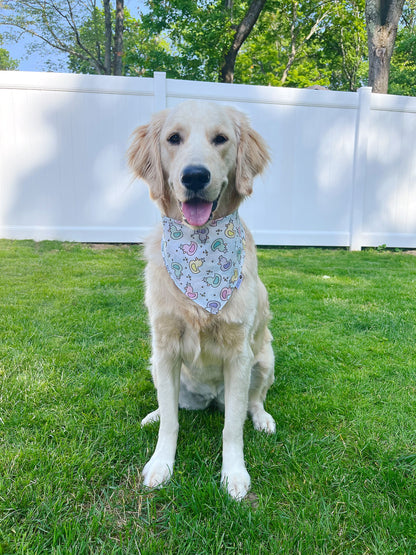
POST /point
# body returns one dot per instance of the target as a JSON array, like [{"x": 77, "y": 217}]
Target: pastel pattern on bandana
[{"x": 205, "y": 263}]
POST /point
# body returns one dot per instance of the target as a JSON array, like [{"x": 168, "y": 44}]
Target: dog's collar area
[{"x": 205, "y": 263}]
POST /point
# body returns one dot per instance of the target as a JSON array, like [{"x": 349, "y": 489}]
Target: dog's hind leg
[
  {"x": 262, "y": 377},
  {"x": 150, "y": 418}
]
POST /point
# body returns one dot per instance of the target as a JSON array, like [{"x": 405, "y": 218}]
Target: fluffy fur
[{"x": 198, "y": 357}]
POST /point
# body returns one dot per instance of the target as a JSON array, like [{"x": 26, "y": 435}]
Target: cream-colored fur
[{"x": 197, "y": 356}]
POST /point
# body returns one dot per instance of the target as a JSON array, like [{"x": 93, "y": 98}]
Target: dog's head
[{"x": 198, "y": 159}]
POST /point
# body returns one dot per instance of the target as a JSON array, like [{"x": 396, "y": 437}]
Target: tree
[
  {"x": 298, "y": 43},
  {"x": 205, "y": 35},
  {"x": 402, "y": 78},
  {"x": 382, "y": 17},
  {"x": 107, "y": 36},
  {"x": 118, "y": 37},
  {"x": 6, "y": 63},
  {"x": 238, "y": 40},
  {"x": 343, "y": 46},
  {"x": 298, "y": 39},
  {"x": 243, "y": 30},
  {"x": 142, "y": 53},
  {"x": 57, "y": 24},
  {"x": 295, "y": 43},
  {"x": 199, "y": 33}
]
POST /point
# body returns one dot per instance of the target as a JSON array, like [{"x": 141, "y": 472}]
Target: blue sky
[{"x": 34, "y": 61}]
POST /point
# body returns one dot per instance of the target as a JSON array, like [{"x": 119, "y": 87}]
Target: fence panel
[
  {"x": 343, "y": 169},
  {"x": 390, "y": 187}
]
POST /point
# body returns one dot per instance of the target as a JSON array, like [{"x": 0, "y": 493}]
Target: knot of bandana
[{"x": 205, "y": 263}]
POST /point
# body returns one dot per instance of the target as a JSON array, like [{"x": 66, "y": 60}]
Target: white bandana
[{"x": 205, "y": 263}]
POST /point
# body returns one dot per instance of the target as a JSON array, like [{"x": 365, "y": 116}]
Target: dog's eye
[
  {"x": 219, "y": 139},
  {"x": 174, "y": 139}
]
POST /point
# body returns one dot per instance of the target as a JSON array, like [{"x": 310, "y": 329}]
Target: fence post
[
  {"x": 359, "y": 167},
  {"x": 159, "y": 90}
]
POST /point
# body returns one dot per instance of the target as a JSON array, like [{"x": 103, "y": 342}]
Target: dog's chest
[
  {"x": 206, "y": 349},
  {"x": 202, "y": 370},
  {"x": 203, "y": 355}
]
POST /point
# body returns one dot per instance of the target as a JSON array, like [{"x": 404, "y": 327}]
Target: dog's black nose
[{"x": 195, "y": 178}]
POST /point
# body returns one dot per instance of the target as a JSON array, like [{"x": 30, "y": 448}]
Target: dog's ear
[
  {"x": 144, "y": 154},
  {"x": 252, "y": 155}
]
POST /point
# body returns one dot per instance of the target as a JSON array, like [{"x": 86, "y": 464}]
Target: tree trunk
[
  {"x": 242, "y": 32},
  {"x": 108, "y": 37},
  {"x": 293, "y": 50},
  {"x": 118, "y": 38},
  {"x": 382, "y": 18}
]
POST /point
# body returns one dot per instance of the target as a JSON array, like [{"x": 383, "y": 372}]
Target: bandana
[{"x": 205, "y": 263}]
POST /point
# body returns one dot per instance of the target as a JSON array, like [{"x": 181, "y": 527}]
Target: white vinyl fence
[{"x": 343, "y": 169}]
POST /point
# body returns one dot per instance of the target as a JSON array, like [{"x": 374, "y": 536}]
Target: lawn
[{"x": 339, "y": 476}]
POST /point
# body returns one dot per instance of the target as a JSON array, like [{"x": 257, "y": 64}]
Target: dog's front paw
[
  {"x": 157, "y": 472},
  {"x": 237, "y": 483}
]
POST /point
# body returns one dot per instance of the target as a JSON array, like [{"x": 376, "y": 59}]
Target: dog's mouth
[{"x": 197, "y": 212}]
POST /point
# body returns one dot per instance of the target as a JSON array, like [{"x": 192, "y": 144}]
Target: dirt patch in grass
[{"x": 106, "y": 246}]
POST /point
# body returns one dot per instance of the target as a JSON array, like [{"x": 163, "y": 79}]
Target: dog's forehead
[{"x": 196, "y": 115}]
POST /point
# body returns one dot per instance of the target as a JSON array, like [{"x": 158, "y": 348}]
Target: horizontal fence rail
[{"x": 343, "y": 169}]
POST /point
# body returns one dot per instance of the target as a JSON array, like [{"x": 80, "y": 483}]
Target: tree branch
[
  {"x": 295, "y": 49},
  {"x": 52, "y": 33},
  {"x": 242, "y": 32}
]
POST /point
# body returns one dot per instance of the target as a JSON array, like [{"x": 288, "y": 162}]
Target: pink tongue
[{"x": 197, "y": 213}]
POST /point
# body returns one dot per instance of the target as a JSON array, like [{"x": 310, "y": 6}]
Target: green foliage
[
  {"x": 92, "y": 36},
  {"x": 339, "y": 475},
  {"x": 326, "y": 40},
  {"x": 296, "y": 43},
  {"x": 344, "y": 46},
  {"x": 403, "y": 66},
  {"x": 51, "y": 24},
  {"x": 199, "y": 34},
  {"x": 282, "y": 32},
  {"x": 6, "y": 62},
  {"x": 402, "y": 78},
  {"x": 143, "y": 53}
]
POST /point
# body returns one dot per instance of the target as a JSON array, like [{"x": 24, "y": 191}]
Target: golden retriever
[{"x": 199, "y": 160}]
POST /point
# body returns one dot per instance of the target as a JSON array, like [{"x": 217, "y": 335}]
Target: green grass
[{"x": 339, "y": 476}]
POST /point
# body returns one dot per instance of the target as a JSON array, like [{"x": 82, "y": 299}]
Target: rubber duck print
[
  {"x": 189, "y": 249},
  {"x": 219, "y": 245},
  {"x": 201, "y": 235},
  {"x": 214, "y": 280},
  {"x": 234, "y": 277},
  {"x": 175, "y": 233},
  {"x": 225, "y": 293},
  {"x": 224, "y": 263},
  {"x": 177, "y": 269},
  {"x": 213, "y": 307},
  {"x": 195, "y": 264},
  {"x": 229, "y": 230},
  {"x": 189, "y": 292}
]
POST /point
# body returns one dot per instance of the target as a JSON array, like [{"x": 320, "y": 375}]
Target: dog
[{"x": 208, "y": 309}]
